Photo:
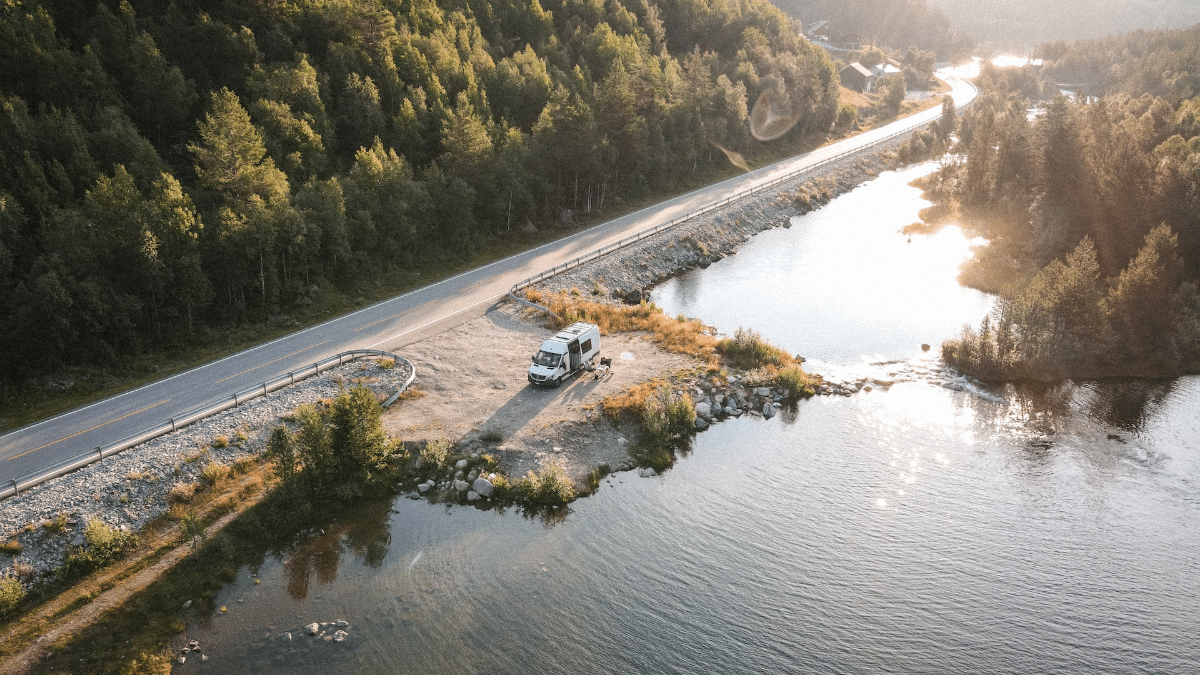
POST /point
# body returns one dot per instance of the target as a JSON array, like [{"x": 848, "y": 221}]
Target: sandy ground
[{"x": 474, "y": 383}]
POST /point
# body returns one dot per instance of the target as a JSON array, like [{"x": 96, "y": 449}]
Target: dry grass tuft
[{"x": 679, "y": 335}]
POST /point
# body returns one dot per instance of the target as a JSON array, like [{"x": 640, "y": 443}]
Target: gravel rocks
[
  {"x": 130, "y": 488},
  {"x": 625, "y": 275}
]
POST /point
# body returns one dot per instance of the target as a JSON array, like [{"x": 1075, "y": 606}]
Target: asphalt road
[{"x": 388, "y": 325}]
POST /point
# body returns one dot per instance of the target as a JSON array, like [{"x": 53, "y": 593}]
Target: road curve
[{"x": 388, "y": 325}]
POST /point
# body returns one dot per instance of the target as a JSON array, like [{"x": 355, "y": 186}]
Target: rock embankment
[
  {"x": 626, "y": 275},
  {"x": 131, "y": 488}
]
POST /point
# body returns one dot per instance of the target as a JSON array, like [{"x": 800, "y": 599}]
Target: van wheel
[{"x": 557, "y": 382}]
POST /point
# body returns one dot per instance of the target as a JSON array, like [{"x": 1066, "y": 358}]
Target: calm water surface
[{"x": 931, "y": 527}]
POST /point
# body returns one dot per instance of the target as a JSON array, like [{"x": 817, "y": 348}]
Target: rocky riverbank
[
  {"x": 134, "y": 487},
  {"x": 626, "y": 275}
]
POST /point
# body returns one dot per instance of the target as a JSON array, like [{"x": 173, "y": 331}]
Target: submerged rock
[{"x": 768, "y": 410}]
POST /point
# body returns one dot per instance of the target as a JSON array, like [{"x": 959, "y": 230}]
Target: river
[{"x": 932, "y": 526}]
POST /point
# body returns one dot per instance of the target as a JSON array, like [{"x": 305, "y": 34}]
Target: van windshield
[{"x": 548, "y": 359}]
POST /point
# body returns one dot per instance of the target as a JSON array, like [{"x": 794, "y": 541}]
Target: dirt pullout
[{"x": 474, "y": 383}]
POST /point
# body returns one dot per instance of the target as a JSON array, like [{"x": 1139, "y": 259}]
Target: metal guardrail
[
  {"x": 28, "y": 481},
  {"x": 15, "y": 486},
  {"x": 634, "y": 238}
]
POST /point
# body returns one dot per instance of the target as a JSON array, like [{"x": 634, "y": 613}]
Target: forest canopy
[
  {"x": 170, "y": 167},
  {"x": 1091, "y": 206}
]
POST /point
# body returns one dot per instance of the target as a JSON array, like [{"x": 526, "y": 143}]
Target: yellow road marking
[
  {"x": 269, "y": 362},
  {"x": 386, "y": 318},
  {"x": 87, "y": 430}
]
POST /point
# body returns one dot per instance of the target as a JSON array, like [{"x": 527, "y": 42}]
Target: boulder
[
  {"x": 461, "y": 485},
  {"x": 340, "y": 635},
  {"x": 460, "y": 464},
  {"x": 424, "y": 487},
  {"x": 312, "y": 628},
  {"x": 768, "y": 410},
  {"x": 472, "y": 496},
  {"x": 647, "y": 472},
  {"x": 703, "y": 409},
  {"x": 473, "y": 475},
  {"x": 764, "y": 392},
  {"x": 701, "y": 425},
  {"x": 483, "y": 486}
]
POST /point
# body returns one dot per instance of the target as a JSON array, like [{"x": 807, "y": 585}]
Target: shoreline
[{"x": 132, "y": 489}]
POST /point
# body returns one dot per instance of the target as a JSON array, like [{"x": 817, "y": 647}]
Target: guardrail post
[
  {"x": 264, "y": 388},
  {"x": 100, "y": 451},
  {"x": 235, "y": 401},
  {"x": 172, "y": 424},
  {"x": 16, "y": 491}
]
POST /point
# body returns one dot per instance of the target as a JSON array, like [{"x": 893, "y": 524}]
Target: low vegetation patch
[{"x": 678, "y": 335}]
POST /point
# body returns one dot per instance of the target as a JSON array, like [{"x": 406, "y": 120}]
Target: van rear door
[{"x": 575, "y": 356}]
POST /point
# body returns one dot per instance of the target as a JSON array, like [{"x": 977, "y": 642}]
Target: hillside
[{"x": 171, "y": 172}]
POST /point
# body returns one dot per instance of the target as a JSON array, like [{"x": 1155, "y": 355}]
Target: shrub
[
  {"x": 798, "y": 383},
  {"x": 666, "y": 417},
  {"x": 221, "y": 441},
  {"x": 181, "y": 492},
  {"x": 244, "y": 464},
  {"x": 213, "y": 472},
  {"x": 191, "y": 530},
  {"x": 58, "y": 524},
  {"x": 491, "y": 436},
  {"x": 11, "y": 594},
  {"x": 747, "y": 350},
  {"x": 435, "y": 454},
  {"x": 387, "y": 364},
  {"x": 11, "y": 547},
  {"x": 549, "y": 486},
  {"x": 103, "y": 545}
]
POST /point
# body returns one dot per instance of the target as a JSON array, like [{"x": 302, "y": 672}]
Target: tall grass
[{"x": 678, "y": 335}]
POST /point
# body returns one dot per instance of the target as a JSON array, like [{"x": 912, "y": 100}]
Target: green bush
[
  {"x": 795, "y": 381},
  {"x": 548, "y": 486},
  {"x": 747, "y": 350},
  {"x": 11, "y": 594},
  {"x": 435, "y": 454},
  {"x": 667, "y": 416},
  {"x": 103, "y": 545}
]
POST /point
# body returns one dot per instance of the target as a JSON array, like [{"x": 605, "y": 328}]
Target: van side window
[{"x": 586, "y": 346}]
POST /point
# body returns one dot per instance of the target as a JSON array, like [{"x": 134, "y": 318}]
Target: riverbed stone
[
  {"x": 647, "y": 472},
  {"x": 472, "y": 496},
  {"x": 702, "y": 409},
  {"x": 483, "y": 486},
  {"x": 424, "y": 487},
  {"x": 768, "y": 410},
  {"x": 461, "y": 485},
  {"x": 764, "y": 392},
  {"x": 701, "y": 425},
  {"x": 340, "y": 635},
  {"x": 312, "y": 628},
  {"x": 460, "y": 464}
]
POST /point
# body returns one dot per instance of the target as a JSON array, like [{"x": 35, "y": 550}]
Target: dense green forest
[
  {"x": 1092, "y": 210},
  {"x": 170, "y": 167}
]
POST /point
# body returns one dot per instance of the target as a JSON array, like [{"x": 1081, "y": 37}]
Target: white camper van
[{"x": 565, "y": 354}]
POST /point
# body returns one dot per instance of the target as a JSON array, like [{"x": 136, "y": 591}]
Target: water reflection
[{"x": 365, "y": 533}]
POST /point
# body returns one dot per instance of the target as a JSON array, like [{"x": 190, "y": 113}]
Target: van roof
[{"x": 573, "y": 331}]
